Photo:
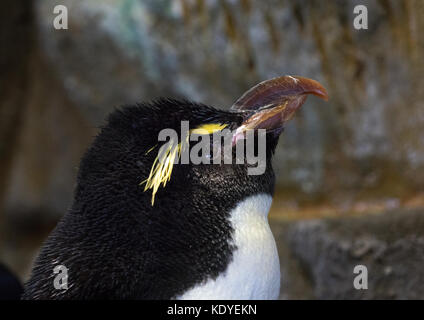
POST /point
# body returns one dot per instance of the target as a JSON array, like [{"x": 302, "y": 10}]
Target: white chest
[{"x": 254, "y": 272}]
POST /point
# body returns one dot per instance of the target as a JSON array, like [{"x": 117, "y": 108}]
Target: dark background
[{"x": 350, "y": 172}]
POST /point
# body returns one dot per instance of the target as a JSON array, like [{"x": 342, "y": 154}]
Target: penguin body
[
  {"x": 205, "y": 237},
  {"x": 254, "y": 271},
  {"x": 115, "y": 244},
  {"x": 10, "y": 286}
]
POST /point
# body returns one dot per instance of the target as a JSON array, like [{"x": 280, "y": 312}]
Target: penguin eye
[{"x": 169, "y": 154}]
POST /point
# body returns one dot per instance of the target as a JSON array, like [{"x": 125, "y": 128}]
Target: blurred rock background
[{"x": 355, "y": 165}]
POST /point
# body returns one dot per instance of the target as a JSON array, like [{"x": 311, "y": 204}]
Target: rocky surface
[{"x": 318, "y": 257}]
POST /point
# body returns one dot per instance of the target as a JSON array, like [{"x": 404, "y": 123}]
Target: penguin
[
  {"x": 139, "y": 228},
  {"x": 10, "y": 286}
]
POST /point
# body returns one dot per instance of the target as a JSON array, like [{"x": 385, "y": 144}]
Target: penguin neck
[{"x": 254, "y": 270}]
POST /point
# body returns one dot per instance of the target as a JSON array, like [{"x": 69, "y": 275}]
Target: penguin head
[{"x": 147, "y": 150}]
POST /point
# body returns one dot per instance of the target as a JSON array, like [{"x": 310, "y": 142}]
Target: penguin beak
[{"x": 271, "y": 103}]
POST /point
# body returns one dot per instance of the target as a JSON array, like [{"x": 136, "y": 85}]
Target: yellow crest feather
[
  {"x": 161, "y": 170},
  {"x": 208, "y": 128}
]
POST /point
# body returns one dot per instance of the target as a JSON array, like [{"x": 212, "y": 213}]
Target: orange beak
[{"x": 271, "y": 103}]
